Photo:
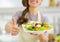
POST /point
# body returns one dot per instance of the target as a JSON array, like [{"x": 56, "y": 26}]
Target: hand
[
  {"x": 14, "y": 28},
  {"x": 42, "y": 37}
]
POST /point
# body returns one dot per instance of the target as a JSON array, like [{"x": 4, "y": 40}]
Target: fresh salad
[{"x": 37, "y": 26}]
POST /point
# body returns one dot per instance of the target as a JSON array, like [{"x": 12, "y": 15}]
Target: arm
[
  {"x": 11, "y": 26},
  {"x": 43, "y": 38}
]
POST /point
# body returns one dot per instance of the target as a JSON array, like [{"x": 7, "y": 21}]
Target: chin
[{"x": 34, "y": 6}]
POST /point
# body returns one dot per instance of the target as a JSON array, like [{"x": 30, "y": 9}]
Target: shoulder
[{"x": 17, "y": 14}]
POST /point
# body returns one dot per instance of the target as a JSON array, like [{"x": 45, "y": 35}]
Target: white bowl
[{"x": 36, "y": 32}]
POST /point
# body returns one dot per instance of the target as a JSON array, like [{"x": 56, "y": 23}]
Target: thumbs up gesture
[
  {"x": 13, "y": 21},
  {"x": 14, "y": 27}
]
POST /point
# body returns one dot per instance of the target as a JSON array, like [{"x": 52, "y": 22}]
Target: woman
[{"x": 30, "y": 13}]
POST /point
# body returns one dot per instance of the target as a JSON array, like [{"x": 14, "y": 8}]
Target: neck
[{"x": 33, "y": 11}]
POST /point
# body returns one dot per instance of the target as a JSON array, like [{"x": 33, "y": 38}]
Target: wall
[{"x": 18, "y": 3}]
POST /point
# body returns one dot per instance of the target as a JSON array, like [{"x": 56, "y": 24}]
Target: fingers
[
  {"x": 7, "y": 28},
  {"x": 43, "y": 37},
  {"x": 33, "y": 34},
  {"x": 14, "y": 27},
  {"x": 14, "y": 31},
  {"x": 13, "y": 21}
]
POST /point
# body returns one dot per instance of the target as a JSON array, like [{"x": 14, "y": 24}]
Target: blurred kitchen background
[{"x": 51, "y": 8}]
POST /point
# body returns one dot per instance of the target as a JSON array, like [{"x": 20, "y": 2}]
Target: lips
[{"x": 34, "y": 1}]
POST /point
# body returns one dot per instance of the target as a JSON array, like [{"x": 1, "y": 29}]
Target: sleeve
[{"x": 16, "y": 16}]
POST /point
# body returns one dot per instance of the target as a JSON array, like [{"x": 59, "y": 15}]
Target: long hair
[{"x": 22, "y": 18}]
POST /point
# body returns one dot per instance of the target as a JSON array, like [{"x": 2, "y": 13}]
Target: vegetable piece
[
  {"x": 42, "y": 28},
  {"x": 36, "y": 29}
]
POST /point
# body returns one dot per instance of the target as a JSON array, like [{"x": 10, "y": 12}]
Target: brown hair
[{"x": 22, "y": 18}]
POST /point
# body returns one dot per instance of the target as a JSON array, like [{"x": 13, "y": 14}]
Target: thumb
[{"x": 13, "y": 21}]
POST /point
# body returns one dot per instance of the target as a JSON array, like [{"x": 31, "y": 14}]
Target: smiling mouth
[{"x": 34, "y": 2}]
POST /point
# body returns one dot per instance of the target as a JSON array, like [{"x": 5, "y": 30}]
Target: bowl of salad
[{"x": 36, "y": 27}]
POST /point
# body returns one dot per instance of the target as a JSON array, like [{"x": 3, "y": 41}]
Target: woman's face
[{"x": 34, "y": 3}]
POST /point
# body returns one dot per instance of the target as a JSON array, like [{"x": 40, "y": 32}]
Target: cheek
[
  {"x": 29, "y": 2},
  {"x": 39, "y": 1}
]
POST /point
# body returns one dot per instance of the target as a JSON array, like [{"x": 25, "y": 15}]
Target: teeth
[{"x": 34, "y": 1}]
